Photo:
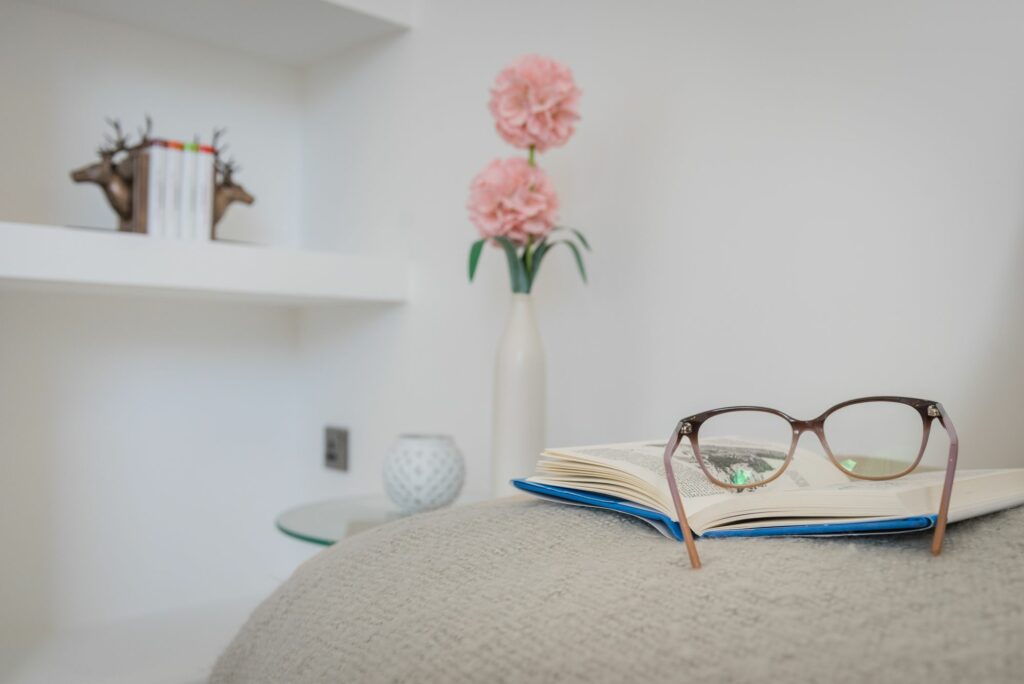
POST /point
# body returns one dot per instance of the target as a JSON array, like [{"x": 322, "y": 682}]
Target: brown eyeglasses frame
[{"x": 929, "y": 411}]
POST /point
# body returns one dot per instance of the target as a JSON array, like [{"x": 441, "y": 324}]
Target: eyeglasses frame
[{"x": 929, "y": 411}]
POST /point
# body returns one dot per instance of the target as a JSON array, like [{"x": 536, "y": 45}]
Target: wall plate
[{"x": 336, "y": 448}]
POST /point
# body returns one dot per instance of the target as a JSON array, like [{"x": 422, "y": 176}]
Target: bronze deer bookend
[
  {"x": 226, "y": 190},
  {"x": 114, "y": 172}
]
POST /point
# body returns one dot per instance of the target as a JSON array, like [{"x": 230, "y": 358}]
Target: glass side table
[{"x": 325, "y": 522}]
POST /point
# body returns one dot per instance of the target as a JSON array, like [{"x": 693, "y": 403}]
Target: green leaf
[
  {"x": 544, "y": 247},
  {"x": 538, "y": 255},
  {"x": 474, "y": 257},
  {"x": 516, "y": 270},
  {"x": 579, "y": 259},
  {"x": 579, "y": 235}
]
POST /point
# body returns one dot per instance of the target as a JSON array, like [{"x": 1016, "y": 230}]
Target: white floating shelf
[
  {"x": 294, "y": 32},
  {"x": 104, "y": 260}
]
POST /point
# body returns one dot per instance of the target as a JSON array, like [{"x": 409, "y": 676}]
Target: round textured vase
[
  {"x": 423, "y": 472},
  {"x": 519, "y": 398}
]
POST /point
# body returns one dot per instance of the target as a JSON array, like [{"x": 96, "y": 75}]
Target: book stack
[{"x": 173, "y": 190}]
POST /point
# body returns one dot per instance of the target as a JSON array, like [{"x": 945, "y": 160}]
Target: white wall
[
  {"x": 146, "y": 446},
  {"x": 791, "y": 203}
]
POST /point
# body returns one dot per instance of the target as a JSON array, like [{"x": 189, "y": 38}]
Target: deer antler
[
  {"x": 227, "y": 170},
  {"x": 144, "y": 133},
  {"x": 119, "y": 143},
  {"x": 218, "y": 148}
]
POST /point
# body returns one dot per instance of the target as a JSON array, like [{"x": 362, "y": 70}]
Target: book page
[
  {"x": 636, "y": 471},
  {"x": 975, "y": 492},
  {"x": 811, "y": 489}
]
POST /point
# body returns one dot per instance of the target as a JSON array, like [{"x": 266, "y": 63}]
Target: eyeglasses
[{"x": 874, "y": 438}]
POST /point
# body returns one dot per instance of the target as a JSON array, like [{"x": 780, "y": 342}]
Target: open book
[{"x": 812, "y": 497}]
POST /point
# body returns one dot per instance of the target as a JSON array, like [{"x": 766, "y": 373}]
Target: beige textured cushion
[{"x": 528, "y": 591}]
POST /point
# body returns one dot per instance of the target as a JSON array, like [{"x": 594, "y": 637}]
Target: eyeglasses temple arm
[
  {"x": 947, "y": 488},
  {"x": 670, "y": 448}
]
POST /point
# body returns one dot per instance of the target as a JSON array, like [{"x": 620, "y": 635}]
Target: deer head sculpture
[
  {"x": 226, "y": 190},
  {"x": 113, "y": 175}
]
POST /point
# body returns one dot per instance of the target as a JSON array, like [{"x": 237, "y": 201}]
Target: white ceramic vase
[
  {"x": 519, "y": 398},
  {"x": 423, "y": 472}
]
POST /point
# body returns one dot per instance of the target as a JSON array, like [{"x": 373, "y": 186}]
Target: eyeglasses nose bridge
[
  {"x": 812, "y": 426},
  {"x": 802, "y": 426},
  {"x": 815, "y": 427}
]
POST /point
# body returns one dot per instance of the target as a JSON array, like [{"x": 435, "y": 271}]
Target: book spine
[
  {"x": 189, "y": 230},
  {"x": 204, "y": 193},
  {"x": 172, "y": 215},
  {"x": 155, "y": 188}
]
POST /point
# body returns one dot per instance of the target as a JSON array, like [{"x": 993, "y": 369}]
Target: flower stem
[
  {"x": 533, "y": 158},
  {"x": 528, "y": 258}
]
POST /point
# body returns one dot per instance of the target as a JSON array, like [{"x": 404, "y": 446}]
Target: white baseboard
[{"x": 176, "y": 648}]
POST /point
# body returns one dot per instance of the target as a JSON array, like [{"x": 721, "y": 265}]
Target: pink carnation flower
[
  {"x": 535, "y": 102},
  {"x": 510, "y": 198}
]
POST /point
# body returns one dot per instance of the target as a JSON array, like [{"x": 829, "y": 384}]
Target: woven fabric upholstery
[{"x": 519, "y": 590}]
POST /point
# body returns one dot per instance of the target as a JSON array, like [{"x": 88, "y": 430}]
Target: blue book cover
[{"x": 670, "y": 527}]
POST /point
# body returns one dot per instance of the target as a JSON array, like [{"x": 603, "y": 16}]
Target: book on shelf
[
  {"x": 173, "y": 190},
  {"x": 187, "y": 202},
  {"x": 811, "y": 498},
  {"x": 202, "y": 221}
]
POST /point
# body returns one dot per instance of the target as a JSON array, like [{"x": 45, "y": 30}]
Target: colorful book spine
[
  {"x": 156, "y": 181},
  {"x": 204, "y": 193},
  {"x": 173, "y": 189},
  {"x": 189, "y": 162}
]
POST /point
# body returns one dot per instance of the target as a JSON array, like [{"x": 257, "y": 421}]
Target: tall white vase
[{"x": 519, "y": 398}]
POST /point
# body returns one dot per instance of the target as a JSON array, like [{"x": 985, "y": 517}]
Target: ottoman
[{"x": 519, "y": 590}]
